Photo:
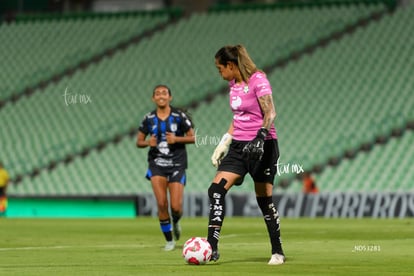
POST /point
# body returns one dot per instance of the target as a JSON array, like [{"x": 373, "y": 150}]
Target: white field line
[
  {"x": 28, "y": 248},
  {"x": 74, "y": 246}
]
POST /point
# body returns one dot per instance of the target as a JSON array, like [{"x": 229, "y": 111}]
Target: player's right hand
[
  {"x": 218, "y": 154},
  {"x": 152, "y": 142},
  {"x": 221, "y": 149}
]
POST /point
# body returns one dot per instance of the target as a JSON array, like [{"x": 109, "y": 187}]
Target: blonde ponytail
[{"x": 246, "y": 65}]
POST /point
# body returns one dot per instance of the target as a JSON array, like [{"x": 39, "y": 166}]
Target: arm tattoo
[{"x": 268, "y": 109}]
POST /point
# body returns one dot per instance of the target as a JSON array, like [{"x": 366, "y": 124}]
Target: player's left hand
[
  {"x": 254, "y": 149},
  {"x": 171, "y": 138}
]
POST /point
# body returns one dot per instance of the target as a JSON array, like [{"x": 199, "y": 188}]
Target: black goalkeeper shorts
[{"x": 261, "y": 171}]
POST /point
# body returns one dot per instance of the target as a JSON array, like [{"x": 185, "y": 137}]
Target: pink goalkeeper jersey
[{"x": 247, "y": 114}]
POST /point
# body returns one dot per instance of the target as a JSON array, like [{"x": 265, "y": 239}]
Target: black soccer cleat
[{"x": 215, "y": 256}]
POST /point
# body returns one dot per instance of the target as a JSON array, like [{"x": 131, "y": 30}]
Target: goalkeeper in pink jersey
[{"x": 249, "y": 146}]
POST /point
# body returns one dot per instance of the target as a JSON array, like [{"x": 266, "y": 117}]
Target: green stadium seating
[
  {"x": 387, "y": 168},
  {"x": 328, "y": 102},
  {"x": 120, "y": 86},
  {"x": 35, "y": 51}
]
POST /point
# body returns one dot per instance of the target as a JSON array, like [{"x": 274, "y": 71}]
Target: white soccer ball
[{"x": 197, "y": 251}]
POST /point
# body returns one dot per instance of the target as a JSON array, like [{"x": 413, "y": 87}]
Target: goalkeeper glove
[
  {"x": 221, "y": 149},
  {"x": 254, "y": 149}
]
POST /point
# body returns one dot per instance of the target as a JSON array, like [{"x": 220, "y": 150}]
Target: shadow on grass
[{"x": 261, "y": 260}]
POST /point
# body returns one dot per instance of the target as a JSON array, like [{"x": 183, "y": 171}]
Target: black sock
[
  {"x": 216, "y": 194},
  {"x": 175, "y": 216},
  {"x": 271, "y": 218},
  {"x": 166, "y": 229}
]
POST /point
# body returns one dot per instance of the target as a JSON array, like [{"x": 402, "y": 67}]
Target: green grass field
[{"x": 134, "y": 247}]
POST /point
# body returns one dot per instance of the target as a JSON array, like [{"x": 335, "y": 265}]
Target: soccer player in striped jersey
[
  {"x": 168, "y": 129},
  {"x": 249, "y": 146}
]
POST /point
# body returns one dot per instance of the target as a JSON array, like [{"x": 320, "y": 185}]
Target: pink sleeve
[{"x": 261, "y": 85}]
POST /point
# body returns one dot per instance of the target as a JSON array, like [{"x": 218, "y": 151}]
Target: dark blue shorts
[{"x": 173, "y": 174}]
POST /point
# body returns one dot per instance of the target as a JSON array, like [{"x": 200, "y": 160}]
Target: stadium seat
[{"x": 333, "y": 100}]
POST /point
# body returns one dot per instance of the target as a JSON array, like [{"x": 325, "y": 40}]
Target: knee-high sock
[
  {"x": 216, "y": 194},
  {"x": 271, "y": 218},
  {"x": 166, "y": 229},
  {"x": 176, "y": 216}
]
